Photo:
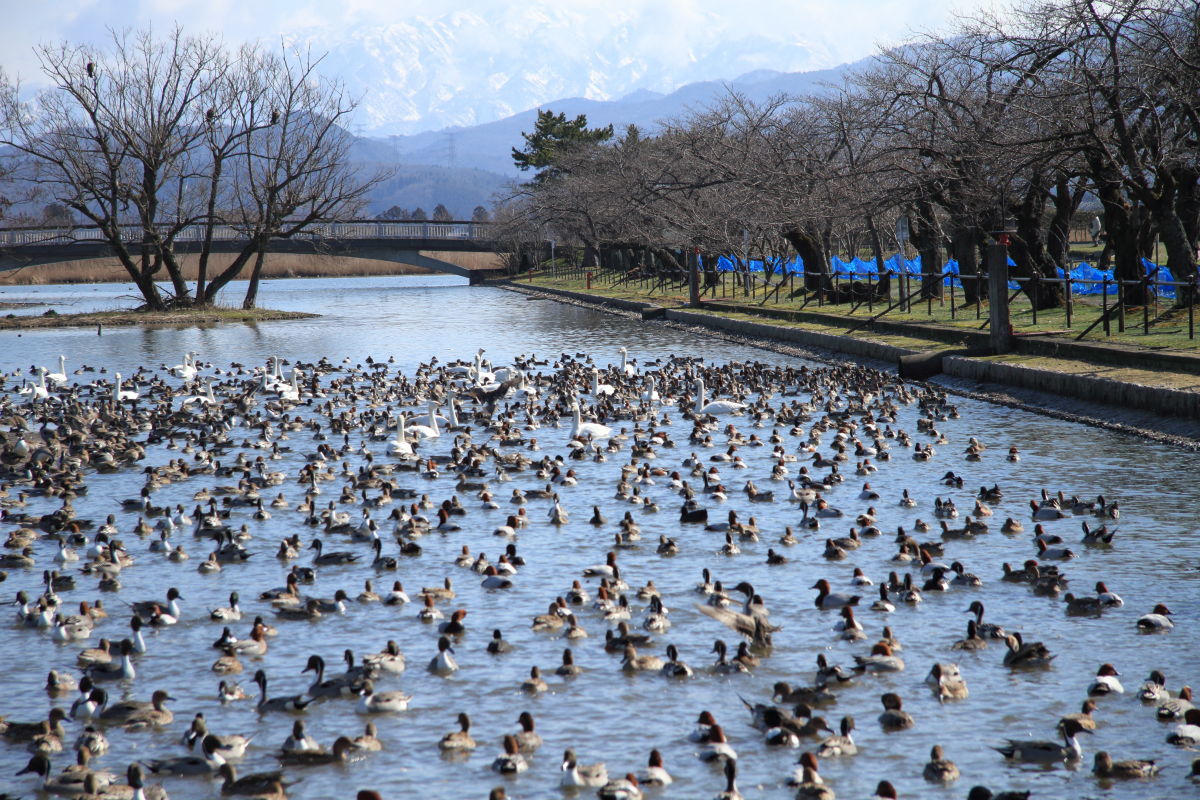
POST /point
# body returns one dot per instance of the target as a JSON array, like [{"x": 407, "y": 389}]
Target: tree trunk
[
  {"x": 1058, "y": 232},
  {"x": 232, "y": 271},
  {"x": 883, "y": 288},
  {"x": 252, "y": 290},
  {"x": 813, "y": 255},
  {"x": 965, "y": 253},
  {"x": 1029, "y": 254},
  {"x": 927, "y": 239},
  {"x": 1122, "y": 220}
]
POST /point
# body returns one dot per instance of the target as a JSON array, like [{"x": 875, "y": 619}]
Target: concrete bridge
[{"x": 458, "y": 248}]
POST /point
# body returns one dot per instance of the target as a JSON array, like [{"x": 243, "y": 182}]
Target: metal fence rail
[
  {"x": 903, "y": 295},
  {"x": 354, "y": 229}
]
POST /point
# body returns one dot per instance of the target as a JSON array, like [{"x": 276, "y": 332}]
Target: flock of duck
[{"x": 375, "y": 471}]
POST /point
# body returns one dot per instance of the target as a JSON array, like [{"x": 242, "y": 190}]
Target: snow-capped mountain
[{"x": 465, "y": 68}]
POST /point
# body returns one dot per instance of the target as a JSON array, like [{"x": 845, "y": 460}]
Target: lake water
[{"x": 604, "y": 714}]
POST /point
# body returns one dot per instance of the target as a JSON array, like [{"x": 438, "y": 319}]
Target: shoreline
[
  {"x": 127, "y": 318},
  {"x": 1175, "y": 431}
]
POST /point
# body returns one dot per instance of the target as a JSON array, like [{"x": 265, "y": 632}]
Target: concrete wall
[{"x": 1157, "y": 399}]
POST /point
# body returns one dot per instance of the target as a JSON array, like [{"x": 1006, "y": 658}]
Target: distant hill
[{"x": 488, "y": 146}]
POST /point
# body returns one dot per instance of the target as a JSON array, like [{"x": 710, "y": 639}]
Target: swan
[
  {"x": 121, "y": 395},
  {"x": 61, "y": 375},
  {"x": 430, "y": 430},
  {"x": 400, "y": 446},
  {"x": 592, "y": 429},
  {"x": 716, "y": 407},
  {"x": 289, "y": 391},
  {"x": 207, "y": 398},
  {"x": 600, "y": 389},
  {"x": 186, "y": 370},
  {"x": 649, "y": 393},
  {"x": 37, "y": 391},
  {"x": 627, "y": 369},
  {"x": 524, "y": 389}
]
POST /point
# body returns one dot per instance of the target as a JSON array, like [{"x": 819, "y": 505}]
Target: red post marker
[{"x": 589, "y": 280}]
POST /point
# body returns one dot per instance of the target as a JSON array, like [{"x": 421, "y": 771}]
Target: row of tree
[
  {"x": 153, "y": 136},
  {"x": 440, "y": 214},
  {"x": 1007, "y": 123}
]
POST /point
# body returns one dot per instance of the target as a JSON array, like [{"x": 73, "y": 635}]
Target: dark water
[{"x": 604, "y": 714}]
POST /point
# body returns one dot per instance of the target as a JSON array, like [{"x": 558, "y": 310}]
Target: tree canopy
[{"x": 554, "y": 136}]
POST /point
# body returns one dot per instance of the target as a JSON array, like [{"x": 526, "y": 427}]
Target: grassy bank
[
  {"x": 99, "y": 319},
  {"x": 1168, "y": 327}
]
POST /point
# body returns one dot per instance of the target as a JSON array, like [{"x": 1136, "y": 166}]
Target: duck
[
  {"x": 841, "y": 743},
  {"x": 576, "y": 775},
  {"x": 1104, "y": 767},
  {"x": 827, "y": 599},
  {"x": 511, "y": 761},
  {"x": 299, "y": 740},
  {"x": 1187, "y": 733},
  {"x": 717, "y": 747},
  {"x": 1047, "y": 752},
  {"x": 443, "y": 663},
  {"x": 287, "y": 703},
  {"x": 947, "y": 682},
  {"x": 1023, "y": 654},
  {"x": 343, "y": 746},
  {"x": 881, "y": 659},
  {"x": 939, "y": 769},
  {"x": 528, "y": 739},
  {"x": 626, "y": 788},
  {"x": 894, "y": 717},
  {"x": 632, "y": 662},
  {"x": 205, "y": 764},
  {"x": 460, "y": 739},
  {"x": 1106, "y": 682},
  {"x": 1084, "y": 715},
  {"x": 1154, "y": 690},
  {"x": 655, "y": 773},
  {"x": 1175, "y": 707},
  {"x": 674, "y": 668},
  {"x": 1157, "y": 621},
  {"x": 373, "y": 702}
]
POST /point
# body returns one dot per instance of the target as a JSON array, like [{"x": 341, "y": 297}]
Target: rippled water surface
[{"x": 606, "y": 715}]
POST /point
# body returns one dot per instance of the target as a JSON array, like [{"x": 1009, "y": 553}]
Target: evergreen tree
[
  {"x": 442, "y": 214},
  {"x": 480, "y": 214},
  {"x": 552, "y": 134}
]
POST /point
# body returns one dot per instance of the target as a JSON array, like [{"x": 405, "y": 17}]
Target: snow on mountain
[{"x": 465, "y": 68}]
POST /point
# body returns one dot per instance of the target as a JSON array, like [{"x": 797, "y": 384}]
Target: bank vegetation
[{"x": 1008, "y": 124}]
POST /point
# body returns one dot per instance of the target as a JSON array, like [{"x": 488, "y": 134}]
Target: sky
[{"x": 831, "y": 31}]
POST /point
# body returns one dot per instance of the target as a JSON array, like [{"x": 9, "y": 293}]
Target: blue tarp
[{"x": 858, "y": 269}]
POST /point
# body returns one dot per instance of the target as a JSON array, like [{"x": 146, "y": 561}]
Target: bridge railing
[{"x": 351, "y": 229}]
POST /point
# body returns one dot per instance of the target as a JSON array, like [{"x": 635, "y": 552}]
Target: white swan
[
  {"x": 400, "y": 445},
  {"x": 186, "y": 370},
  {"x": 451, "y": 411},
  {"x": 206, "y": 399},
  {"x": 428, "y": 430},
  {"x": 592, "y": 429},
  {"x": 599, "y": 388},
  {"x": 649, "y": 393},
  {"x": 36, "y": 391},
  {"x": 120, "y": 395},
  {"x": 524, "y": 389},
  {"x": 716, "y": 407},
  {"x": 627, "y": 369},
  {"x": 61, "y": 375},
  {"x": 290, "y": 391}
]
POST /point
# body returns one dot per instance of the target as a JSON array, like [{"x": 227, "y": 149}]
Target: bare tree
[{"x": 153, "y": 135}]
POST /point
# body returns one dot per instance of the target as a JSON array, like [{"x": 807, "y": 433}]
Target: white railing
[{"x": 365, "y": 229}]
